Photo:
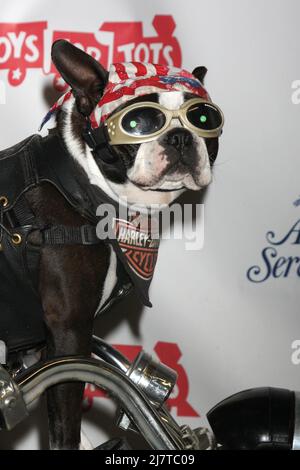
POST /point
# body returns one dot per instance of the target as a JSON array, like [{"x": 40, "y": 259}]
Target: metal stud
[
  {"x": 16, "y": 239},
  {"x": 3, "y": 201}
]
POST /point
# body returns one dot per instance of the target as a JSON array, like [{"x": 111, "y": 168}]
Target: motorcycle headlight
[{"x": 259, "y": 418}]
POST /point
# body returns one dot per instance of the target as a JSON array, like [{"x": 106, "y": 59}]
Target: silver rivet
[{"x": 10, "y": 402}]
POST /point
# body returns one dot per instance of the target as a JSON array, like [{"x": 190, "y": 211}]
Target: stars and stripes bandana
[{"x": 128, "y": 80}]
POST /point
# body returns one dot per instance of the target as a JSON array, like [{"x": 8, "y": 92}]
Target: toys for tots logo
[
  {"x": 22, "y": 46},
  {"x": 167, "y": 353}
]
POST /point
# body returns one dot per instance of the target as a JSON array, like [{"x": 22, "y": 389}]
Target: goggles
[{"x": 143, "y": 122}]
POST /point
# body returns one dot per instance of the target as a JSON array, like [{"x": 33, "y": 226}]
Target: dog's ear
[
  {"x": 82, "y": 72},
  {"x": 200, "y": 72}
]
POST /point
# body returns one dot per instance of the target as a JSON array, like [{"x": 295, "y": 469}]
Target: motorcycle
[{"x": 259, "y": 418}]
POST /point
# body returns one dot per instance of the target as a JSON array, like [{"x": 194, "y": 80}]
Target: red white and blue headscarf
[{"x": 128, "y": 80}]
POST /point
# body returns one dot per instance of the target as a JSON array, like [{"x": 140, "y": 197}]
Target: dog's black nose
[{"x": 179, "y": 138}]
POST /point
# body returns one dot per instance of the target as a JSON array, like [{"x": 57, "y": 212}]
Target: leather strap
[
  {"x": 98, "y": 141},
  {"x": 62, "y": 235}
]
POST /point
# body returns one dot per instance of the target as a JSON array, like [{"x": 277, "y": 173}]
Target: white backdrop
[{"x": 233, "y": 333}]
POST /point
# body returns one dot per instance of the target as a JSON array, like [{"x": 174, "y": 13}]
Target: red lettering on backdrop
[
  {"x": 21, "y": 48},
  {"x": 125, "y": 42},
  {"x": 169, "y": 354},
  {"x": 131, "y": 45}
]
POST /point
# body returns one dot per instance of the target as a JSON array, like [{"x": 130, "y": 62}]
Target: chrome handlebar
[
  {"x": 140, "y": 389},
  {"x": 34, "y": 383}
]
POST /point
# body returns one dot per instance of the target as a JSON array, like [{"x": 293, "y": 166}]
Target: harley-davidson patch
[{"x": 138, "y": 246}]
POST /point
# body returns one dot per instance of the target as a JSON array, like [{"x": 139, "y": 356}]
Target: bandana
[{"x": 128, "y": 80}]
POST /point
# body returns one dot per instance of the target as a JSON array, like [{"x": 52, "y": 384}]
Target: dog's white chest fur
[{"x": 110, "y": 280}]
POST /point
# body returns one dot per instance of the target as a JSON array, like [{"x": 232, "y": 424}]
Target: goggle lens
[
  {"x": 204, "y": 116},
  {"x": 143, "y": 121}
]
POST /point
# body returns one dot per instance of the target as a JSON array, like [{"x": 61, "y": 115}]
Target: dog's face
[
  {"x": 177, "y": 160},
  {"x": 154, "y": 172}
]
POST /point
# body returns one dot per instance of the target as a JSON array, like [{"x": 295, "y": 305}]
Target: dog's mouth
[
  {"x": 177, "y": 178},
  {"x": 161, "y": 186},
  {"x": 171, "y": 186},
  {"x": 166, "y": 190}
]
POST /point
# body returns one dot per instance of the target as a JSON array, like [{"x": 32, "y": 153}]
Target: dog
[{"x": 154, "y": 171}]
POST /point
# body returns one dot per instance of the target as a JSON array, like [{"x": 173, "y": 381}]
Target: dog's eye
[
  {"x": 143, "y": 121},
  {"x": 204, "y": 116}
]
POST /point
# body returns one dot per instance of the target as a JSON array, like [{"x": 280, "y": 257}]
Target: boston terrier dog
[{"x": 160, "y": 138}]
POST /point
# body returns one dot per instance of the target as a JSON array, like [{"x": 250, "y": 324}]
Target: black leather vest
[{"x": 27, "y": 164}]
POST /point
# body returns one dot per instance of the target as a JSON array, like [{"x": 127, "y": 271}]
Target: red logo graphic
[
  {"x": 131, "y": 45},
  {"x": 22, "y": 46},
  {"x": 139, "y": 248},
  {"x": 169, "y": 354}
]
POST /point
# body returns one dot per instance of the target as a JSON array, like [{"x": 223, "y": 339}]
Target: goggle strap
[{"x": 95, "y": 138}]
